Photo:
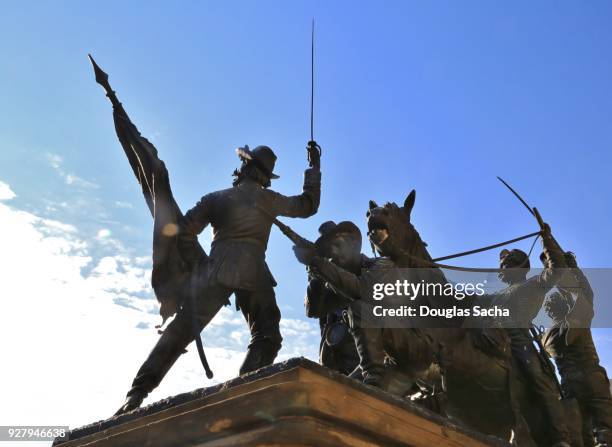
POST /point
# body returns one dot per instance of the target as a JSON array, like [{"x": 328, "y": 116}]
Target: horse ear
[
  {"x": 373, "y": 204},
  {"x": 409, "y": 202}
]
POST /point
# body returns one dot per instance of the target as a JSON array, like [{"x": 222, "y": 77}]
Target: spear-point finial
[{"x": 101, "y": 77}]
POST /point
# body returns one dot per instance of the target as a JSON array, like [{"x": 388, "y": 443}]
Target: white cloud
[
  {"x": 142, "y": 260},
  {"x": 103, "y": 233},
  {"x": 104, "y": 239},
  {"x": 56, "y": 162},
  {"x": 120, "y": 204},
  {"x": 6, "y": 193},
  {"x": 74, "y": 180},
  {"x": 76, "y": 328},
  {"x": 67, "y": 339},
  {"x": 300, "y": 338},
  {"x": 50, "y": 226},
  {"x": 238, "y": 336}
]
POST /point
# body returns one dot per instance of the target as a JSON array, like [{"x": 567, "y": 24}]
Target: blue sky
[{"x": 437, "y": 96}]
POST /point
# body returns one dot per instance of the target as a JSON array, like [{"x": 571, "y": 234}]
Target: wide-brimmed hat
[
  {"x": 263, "y": 157},
  {"x": 329, "y": 230}
]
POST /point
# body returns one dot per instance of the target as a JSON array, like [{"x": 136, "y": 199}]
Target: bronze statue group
[{"x": 489, "y": 377}]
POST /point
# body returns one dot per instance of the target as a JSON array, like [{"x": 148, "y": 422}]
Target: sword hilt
[
  {"x": 314, "y": 153},
  {"x": 545, "y": 228}
]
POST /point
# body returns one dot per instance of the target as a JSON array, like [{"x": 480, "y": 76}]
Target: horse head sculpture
[{"x": 391, "y": 233}]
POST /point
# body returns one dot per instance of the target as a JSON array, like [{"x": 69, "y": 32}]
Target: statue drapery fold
[{"x": 171, "y": 275}]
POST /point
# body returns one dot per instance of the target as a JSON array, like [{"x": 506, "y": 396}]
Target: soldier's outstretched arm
[
  {"x": 302, "y": 205},
  {"x": 344, "y": 282},
  {"x": 554, "y": 260}
]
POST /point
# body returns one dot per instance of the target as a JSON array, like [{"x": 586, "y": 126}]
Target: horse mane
[
  {"x": 419, "y": 247},
  {"x": 413, "y": 244}
]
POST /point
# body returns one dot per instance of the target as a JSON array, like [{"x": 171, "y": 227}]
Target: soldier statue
[
  {"x": 524, "y": 298},
  {"x": 570, "y": 343},
  {"x": 195, "y": 286},
  {"x": 341, "y": 243},
  {"x": 236, "y": 264}
]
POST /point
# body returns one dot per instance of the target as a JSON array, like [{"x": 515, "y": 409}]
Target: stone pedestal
[{"x": 295, "y": 403}]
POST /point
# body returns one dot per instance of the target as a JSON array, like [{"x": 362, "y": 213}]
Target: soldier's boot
[
  {"x": 357, "y": 374},
  {"x": 132, "y": 401},
  {"x": 369, "y": 345},
  {"x": 260, "y": 353},
  {"x": 168, "y": 349}
]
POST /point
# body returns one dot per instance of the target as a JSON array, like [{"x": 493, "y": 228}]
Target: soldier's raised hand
[
  {"x": 570, "y": 259},
  {"x": 314, "y": 154}
]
